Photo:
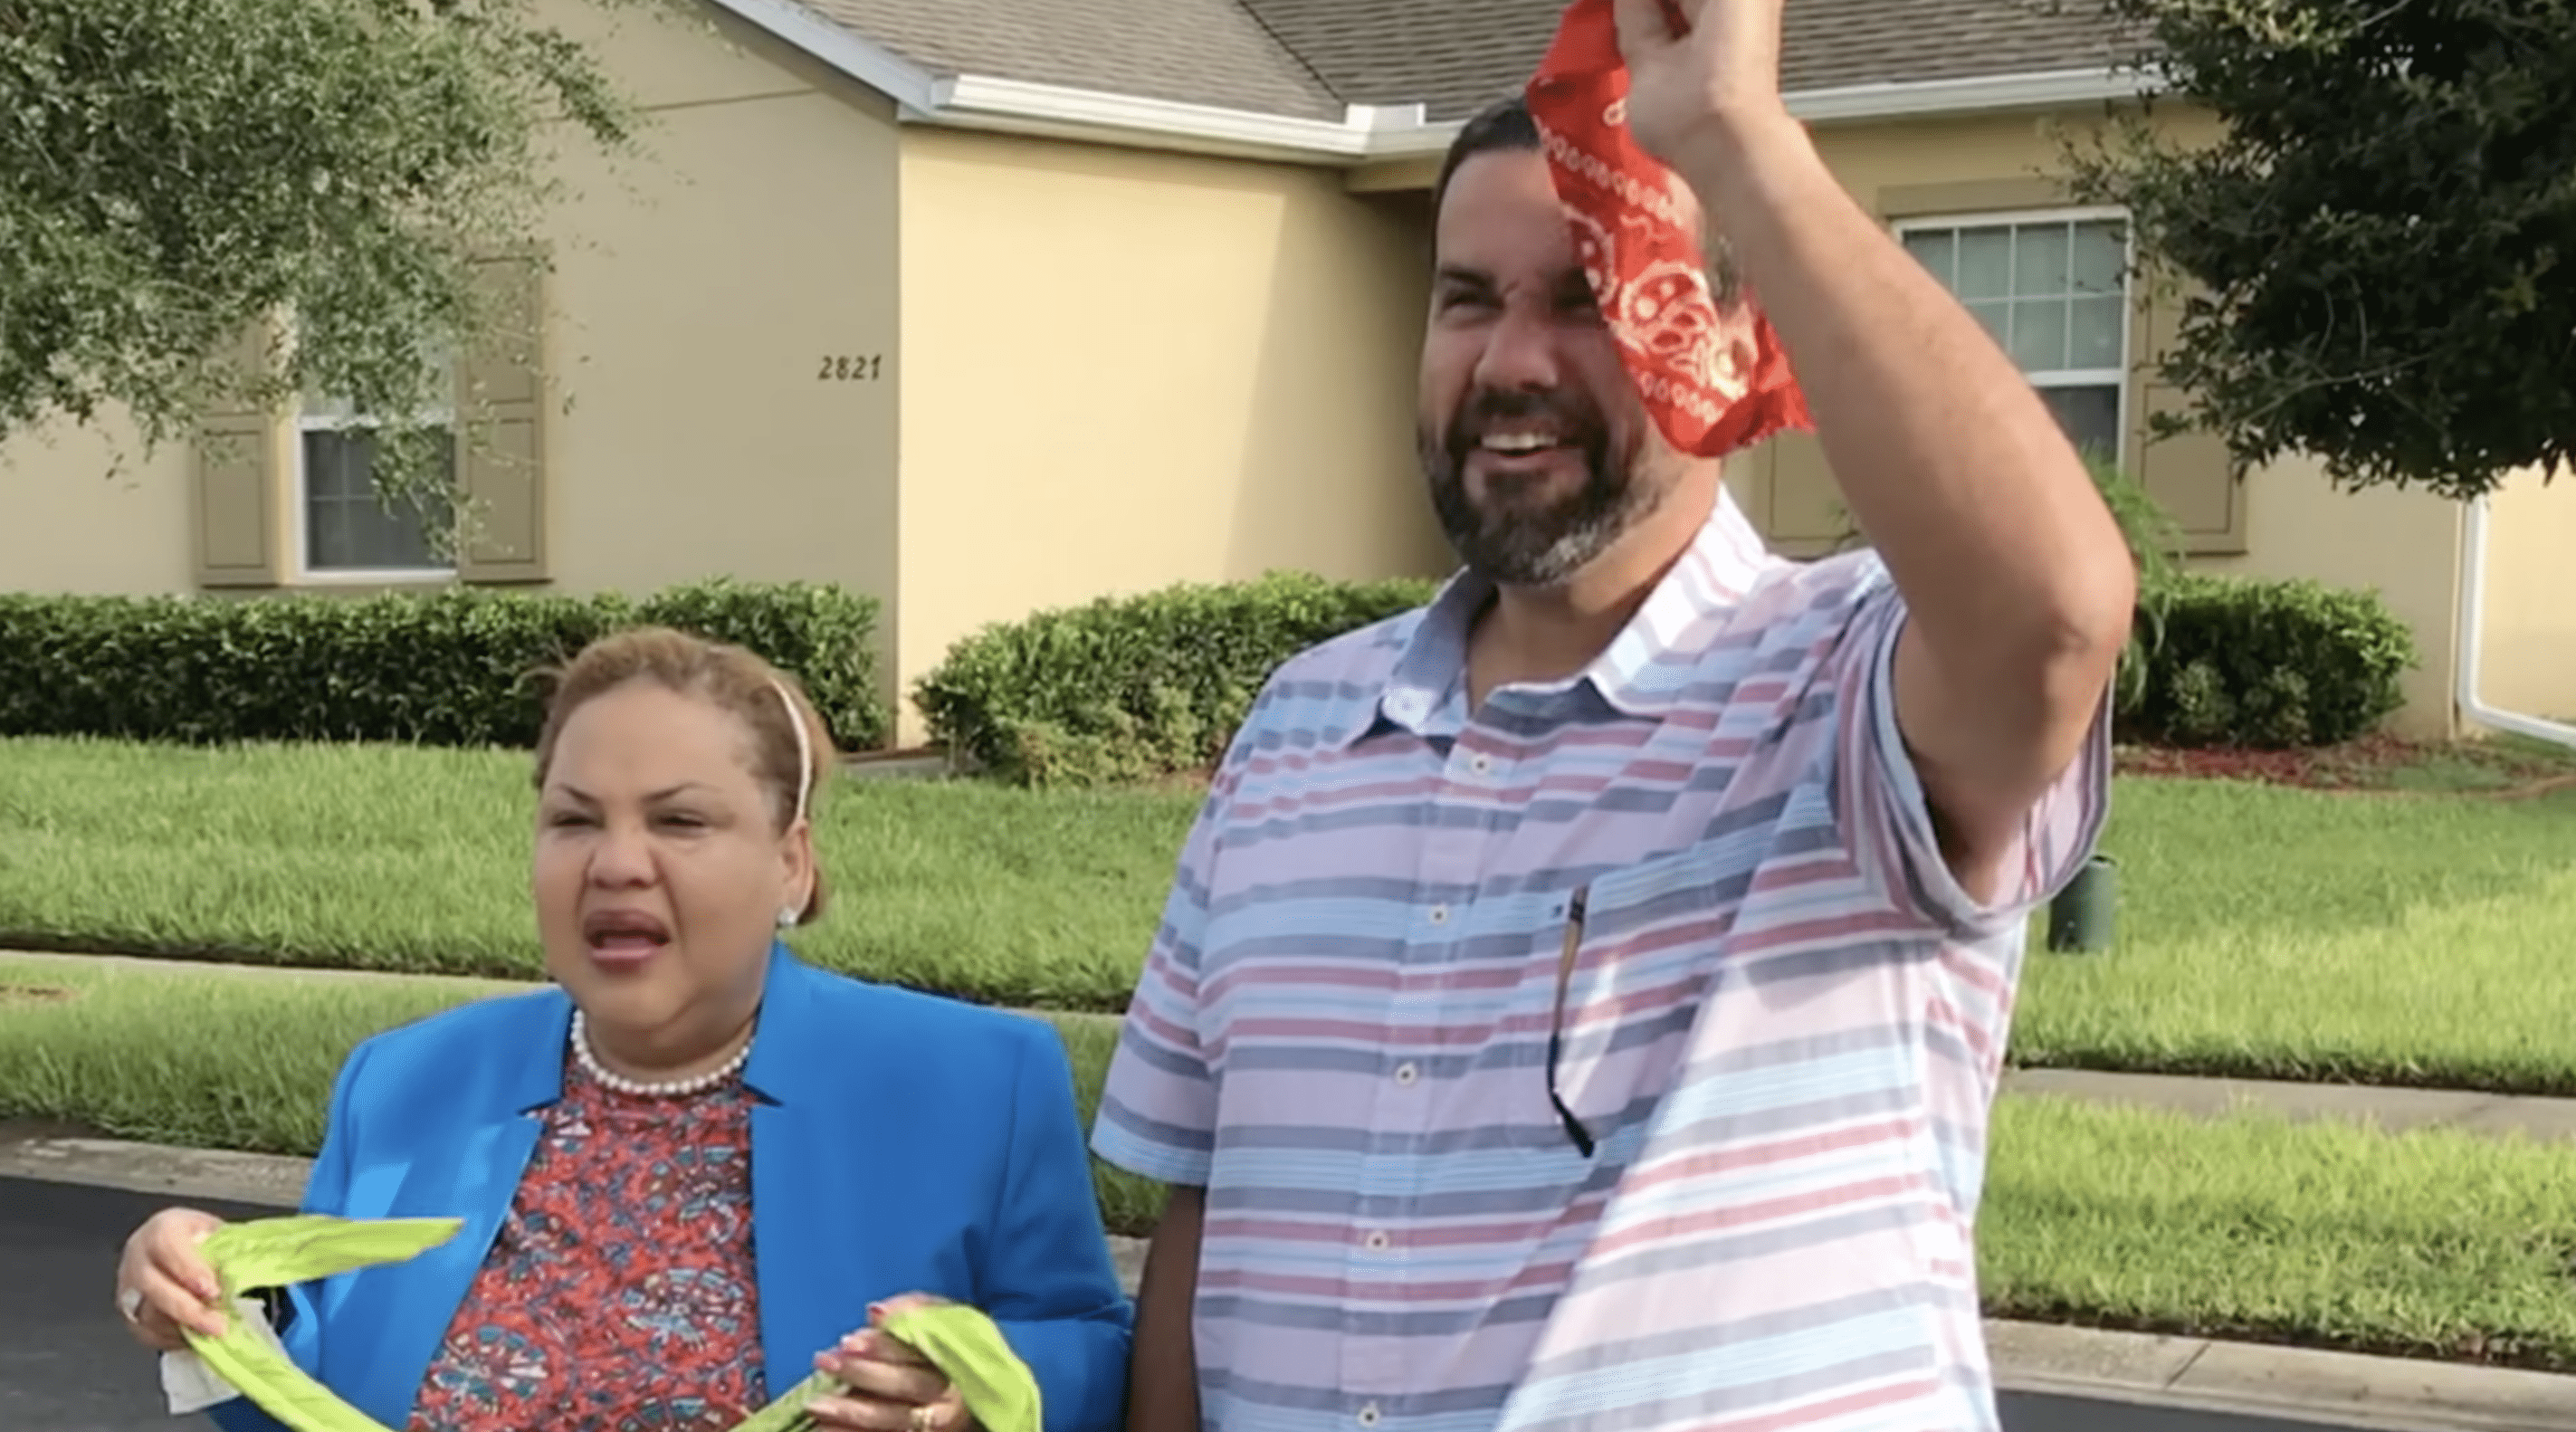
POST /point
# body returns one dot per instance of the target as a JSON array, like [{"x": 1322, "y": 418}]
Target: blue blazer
[{"x": 899, "y": 1142}]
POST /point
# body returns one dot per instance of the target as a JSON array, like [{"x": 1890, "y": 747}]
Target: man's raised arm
[{"x": 2018, "y": 585}]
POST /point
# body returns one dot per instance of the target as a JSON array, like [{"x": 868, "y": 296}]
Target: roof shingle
[
  {"x": 1307, "y": 58},
  {"x": 1212, "y": 52}
]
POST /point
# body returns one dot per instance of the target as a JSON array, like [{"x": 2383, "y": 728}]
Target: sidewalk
[
  {"x": 2201, "y": 1374},
  {"x": 2395, "y": 1110}
]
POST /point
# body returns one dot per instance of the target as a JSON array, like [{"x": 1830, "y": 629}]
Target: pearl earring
[{"x": 786, "y": 917}]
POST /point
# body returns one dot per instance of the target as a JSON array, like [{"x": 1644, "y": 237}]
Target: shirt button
[
  {"x": 1406, "y": 1073},
  {"x": 1368, "y": 1415},
  {"x": 1440, "y": 914},
  {"x": 1481, "y": 764},
  {"x": 1378, "y": 1242}
]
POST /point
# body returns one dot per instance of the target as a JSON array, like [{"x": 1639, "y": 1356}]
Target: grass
[
  {"x": 2286, "y": 934},
  {"x": 415, "y": 860},
  {"x": 2265, "y": 931},
  {"x": 2428, "y": 1244}
]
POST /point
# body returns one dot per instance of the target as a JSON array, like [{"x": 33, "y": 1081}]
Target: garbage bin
[{"x": 2082, "y": 918}]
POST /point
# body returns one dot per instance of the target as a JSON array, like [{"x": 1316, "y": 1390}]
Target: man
[{"x": 1580, "y": 1001}]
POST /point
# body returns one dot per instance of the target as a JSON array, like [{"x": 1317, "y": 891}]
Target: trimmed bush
[
  {"x": 2271, "y": 665},
  {"x": 452, "y": 668},
  {"x": 1128, "y": 688}
]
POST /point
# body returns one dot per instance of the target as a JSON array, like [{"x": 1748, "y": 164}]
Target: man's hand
[{"x": 1696, "y": 66}]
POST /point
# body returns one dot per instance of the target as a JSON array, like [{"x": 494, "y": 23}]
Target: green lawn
[
  {"x": 2435, "y": 1245},
  {"x": 2289, "y": 934},
  {"x": 409, "y": 859},
  {"x": 2265, "y": 932}
]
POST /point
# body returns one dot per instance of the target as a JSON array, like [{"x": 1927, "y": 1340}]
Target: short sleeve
[
  {"x": 1158, "y": 1106},
  {"x": 1888, "y": 818}
]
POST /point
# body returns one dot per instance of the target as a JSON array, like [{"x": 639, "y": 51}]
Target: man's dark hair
[
  {"x": 1503, "y": 127},
  {"x": 1507, "y": 127}
]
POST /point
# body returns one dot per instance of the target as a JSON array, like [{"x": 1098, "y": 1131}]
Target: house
[{"x": 982, "y": 306}]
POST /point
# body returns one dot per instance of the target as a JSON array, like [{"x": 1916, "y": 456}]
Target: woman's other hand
[
  {"x": 164, "y": 1285},
  {"x": 892, "y": 1388}
]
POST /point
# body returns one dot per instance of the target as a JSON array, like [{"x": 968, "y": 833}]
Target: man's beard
[{"x": 1513, "y": 540}]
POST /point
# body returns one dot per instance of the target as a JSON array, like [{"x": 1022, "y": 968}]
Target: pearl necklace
[{"x": 670, "y": 1089}]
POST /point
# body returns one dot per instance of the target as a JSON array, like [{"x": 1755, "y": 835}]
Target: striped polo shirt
[{"x": 1782, "y": 1029}]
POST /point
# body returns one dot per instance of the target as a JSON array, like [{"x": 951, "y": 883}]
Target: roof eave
[{"x": 1365, "y": 134}]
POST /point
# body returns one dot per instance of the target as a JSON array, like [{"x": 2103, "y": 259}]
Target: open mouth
[{"x": 624, "y": 934}]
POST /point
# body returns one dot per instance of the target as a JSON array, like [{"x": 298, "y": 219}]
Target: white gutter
[
  {"x": 1363, "y": 134},
  {"x": 1017, "y": 106},
  {"x": 2473, "y": 594},
  {"x": 1984, "y": 94}
]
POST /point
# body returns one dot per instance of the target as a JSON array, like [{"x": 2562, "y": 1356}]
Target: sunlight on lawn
[{"x": 2286, "y": 934}]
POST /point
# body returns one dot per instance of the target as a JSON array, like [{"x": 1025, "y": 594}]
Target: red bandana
[{"x": 1637, "y": 247}]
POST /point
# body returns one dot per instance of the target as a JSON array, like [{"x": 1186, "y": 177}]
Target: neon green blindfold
[{"x": 960, "y": 1341}]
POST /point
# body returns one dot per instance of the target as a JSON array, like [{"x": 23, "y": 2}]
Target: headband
[{"x": 804, "y": 748}]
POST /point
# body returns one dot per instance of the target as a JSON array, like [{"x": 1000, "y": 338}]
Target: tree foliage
[
  {"x": 173, "y": 171},
  {"x": 2380, "y": 247}
]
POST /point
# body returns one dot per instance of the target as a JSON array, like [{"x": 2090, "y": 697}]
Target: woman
[{"x": 694, "y": 1169}]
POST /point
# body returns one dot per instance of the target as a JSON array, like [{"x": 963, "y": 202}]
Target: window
[
  {"x": 2053, "y": 290},
  {"x": 349, "y": 529}
]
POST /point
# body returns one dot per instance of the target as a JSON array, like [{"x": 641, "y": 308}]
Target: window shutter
[
  {"x": 2191, "y": 476},
  {"x": 236, "y": 478},
  {"x": 500, "y": 449}
]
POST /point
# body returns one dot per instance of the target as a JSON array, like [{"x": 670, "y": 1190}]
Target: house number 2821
[{"x": 852, "y": 368}]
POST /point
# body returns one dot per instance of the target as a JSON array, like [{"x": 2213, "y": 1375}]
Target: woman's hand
[
  {"x": 163, "y": 1284},
  {"x": 892, "y": 1388}
]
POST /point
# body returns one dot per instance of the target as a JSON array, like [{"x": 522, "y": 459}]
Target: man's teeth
[{"x": 1518, "y": 442}]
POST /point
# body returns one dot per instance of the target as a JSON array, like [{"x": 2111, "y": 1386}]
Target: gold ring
[{"x": 924, "y": 1418}]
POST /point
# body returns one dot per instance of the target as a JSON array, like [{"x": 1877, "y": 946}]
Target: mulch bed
[{"x": 2374, "y": 763}]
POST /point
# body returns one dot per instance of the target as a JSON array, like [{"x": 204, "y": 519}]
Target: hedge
[
  {"x": 2270, "y": 665},
  {"x": 1129, "y": 688},
  {"x": 451, "y": 668}
]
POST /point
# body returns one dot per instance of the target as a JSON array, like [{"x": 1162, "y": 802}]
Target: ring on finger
[
  {"x": 925, "y": 1418},
  {"x": 129, "y": 1302}
]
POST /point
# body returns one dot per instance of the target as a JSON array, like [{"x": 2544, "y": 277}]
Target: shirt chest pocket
[{"x": 1613, "y": 986}]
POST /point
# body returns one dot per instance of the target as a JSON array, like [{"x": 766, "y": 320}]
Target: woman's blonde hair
[{"x": 792, "y": 753}]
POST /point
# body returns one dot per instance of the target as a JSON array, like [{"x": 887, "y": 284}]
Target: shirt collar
[{"x": 1641, "y": 673}]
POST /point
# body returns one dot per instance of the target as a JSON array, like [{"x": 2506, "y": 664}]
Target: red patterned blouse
[{"x": 619, "y": 1295}]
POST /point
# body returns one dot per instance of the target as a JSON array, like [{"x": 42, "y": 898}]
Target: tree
[
  {"x": 173, "y": 172},
  {"x": 2380, "y": 246}
]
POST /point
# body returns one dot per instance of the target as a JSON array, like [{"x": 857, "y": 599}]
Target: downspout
[{"x": 2473, "y": 595}]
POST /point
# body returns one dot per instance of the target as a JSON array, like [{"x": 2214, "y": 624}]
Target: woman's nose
[{"x": 622, "y": 855}]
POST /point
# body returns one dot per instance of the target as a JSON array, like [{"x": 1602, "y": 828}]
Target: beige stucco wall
[
  {"x": 699, "y": 288},
  {"x": 699, "y": 284},
  {"x": 86, "y": 509},
  {"x": 1123, "y": 370},
  {"x": 2528, "y": 656}
]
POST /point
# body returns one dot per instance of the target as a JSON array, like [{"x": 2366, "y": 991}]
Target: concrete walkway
[{"x": 2396, "y": 1110}]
